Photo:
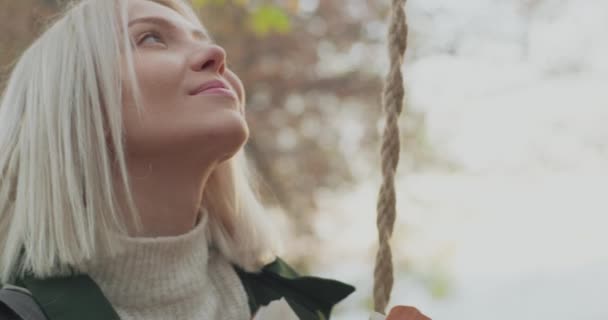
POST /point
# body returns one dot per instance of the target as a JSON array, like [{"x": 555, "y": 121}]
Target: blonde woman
[{"x": 124, "y": 189}]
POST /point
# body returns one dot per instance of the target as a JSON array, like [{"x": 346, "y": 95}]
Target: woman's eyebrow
[{"x": 196, "y": 33}]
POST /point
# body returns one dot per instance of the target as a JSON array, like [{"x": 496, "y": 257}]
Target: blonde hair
[{"x": 58, "y": 114}]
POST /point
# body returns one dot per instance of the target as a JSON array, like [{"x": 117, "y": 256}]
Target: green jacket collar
[{"x": 312, "y": 298}]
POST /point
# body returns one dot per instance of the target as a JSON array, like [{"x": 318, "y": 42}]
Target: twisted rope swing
[{"x": 392, "y": 102}]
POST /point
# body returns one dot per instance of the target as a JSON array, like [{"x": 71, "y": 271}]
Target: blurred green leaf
[
  {"x": 440, "y": 287},
  {"x": 268, "y": 18},
  {"x": 200, "y": 3}
]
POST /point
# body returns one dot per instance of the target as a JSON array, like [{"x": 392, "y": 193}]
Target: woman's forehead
[{"x": 143, "y": 9}]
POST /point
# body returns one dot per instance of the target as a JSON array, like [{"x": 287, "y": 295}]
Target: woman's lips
[
  {"x": 214, "y": 87},
  {"x": 218, "y": 91},
  {"x": 214, "y": 90},
  {"x": 223, "y": 92}
]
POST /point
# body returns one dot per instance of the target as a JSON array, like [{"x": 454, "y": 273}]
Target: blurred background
[{"x": 503, "y": 175}]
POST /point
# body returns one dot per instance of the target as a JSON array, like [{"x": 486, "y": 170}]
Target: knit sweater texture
[{"x": 177, "y": 277}]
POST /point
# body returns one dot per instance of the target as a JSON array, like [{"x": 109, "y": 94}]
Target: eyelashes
[
  {"x": 151, "y": 34},
  {"x": 164, "y": 38}
]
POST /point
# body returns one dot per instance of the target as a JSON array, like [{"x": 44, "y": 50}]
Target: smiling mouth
[
  {"x": 217, "y": 92},
  {"x": 214, "y": 88}
]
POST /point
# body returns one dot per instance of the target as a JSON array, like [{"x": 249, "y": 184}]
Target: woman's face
[{"x": 174, "y": 59}]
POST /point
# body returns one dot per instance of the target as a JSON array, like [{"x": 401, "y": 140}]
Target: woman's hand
[{"x": 406, "y": 313}]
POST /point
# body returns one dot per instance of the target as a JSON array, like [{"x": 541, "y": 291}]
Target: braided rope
[{"x": 392, "y": 101}]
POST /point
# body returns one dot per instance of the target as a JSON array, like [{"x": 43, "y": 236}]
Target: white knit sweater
[{"x": 176, "y": 277}]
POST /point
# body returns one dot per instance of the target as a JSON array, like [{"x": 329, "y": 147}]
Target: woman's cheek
[{"x": 158, "y": 76}]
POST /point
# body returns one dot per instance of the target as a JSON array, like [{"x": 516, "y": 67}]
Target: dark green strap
[
  {"x": 70, "y": 298},
  {"x": 21, "y": 303}
]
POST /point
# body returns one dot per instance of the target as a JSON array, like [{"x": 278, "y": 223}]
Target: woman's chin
[
  {"x": 224, "y": 133},
  {"x": 233, "y": 126},
  {"x": 229, "y": 135}
]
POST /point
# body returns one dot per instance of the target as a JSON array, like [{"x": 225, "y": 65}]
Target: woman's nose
[{"x": 211, "y": 58}]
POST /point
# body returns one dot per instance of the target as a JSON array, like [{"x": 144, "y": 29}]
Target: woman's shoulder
[{"x": 311, "y": 298}]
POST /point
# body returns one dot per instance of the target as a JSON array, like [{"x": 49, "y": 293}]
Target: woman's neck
[{"x": 167, "y": 196}]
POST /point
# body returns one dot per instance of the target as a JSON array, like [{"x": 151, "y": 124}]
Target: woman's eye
[{"x": 155, "y": 38}]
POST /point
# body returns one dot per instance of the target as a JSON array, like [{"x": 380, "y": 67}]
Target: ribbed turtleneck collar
[{"x": 175, "y": 277}]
